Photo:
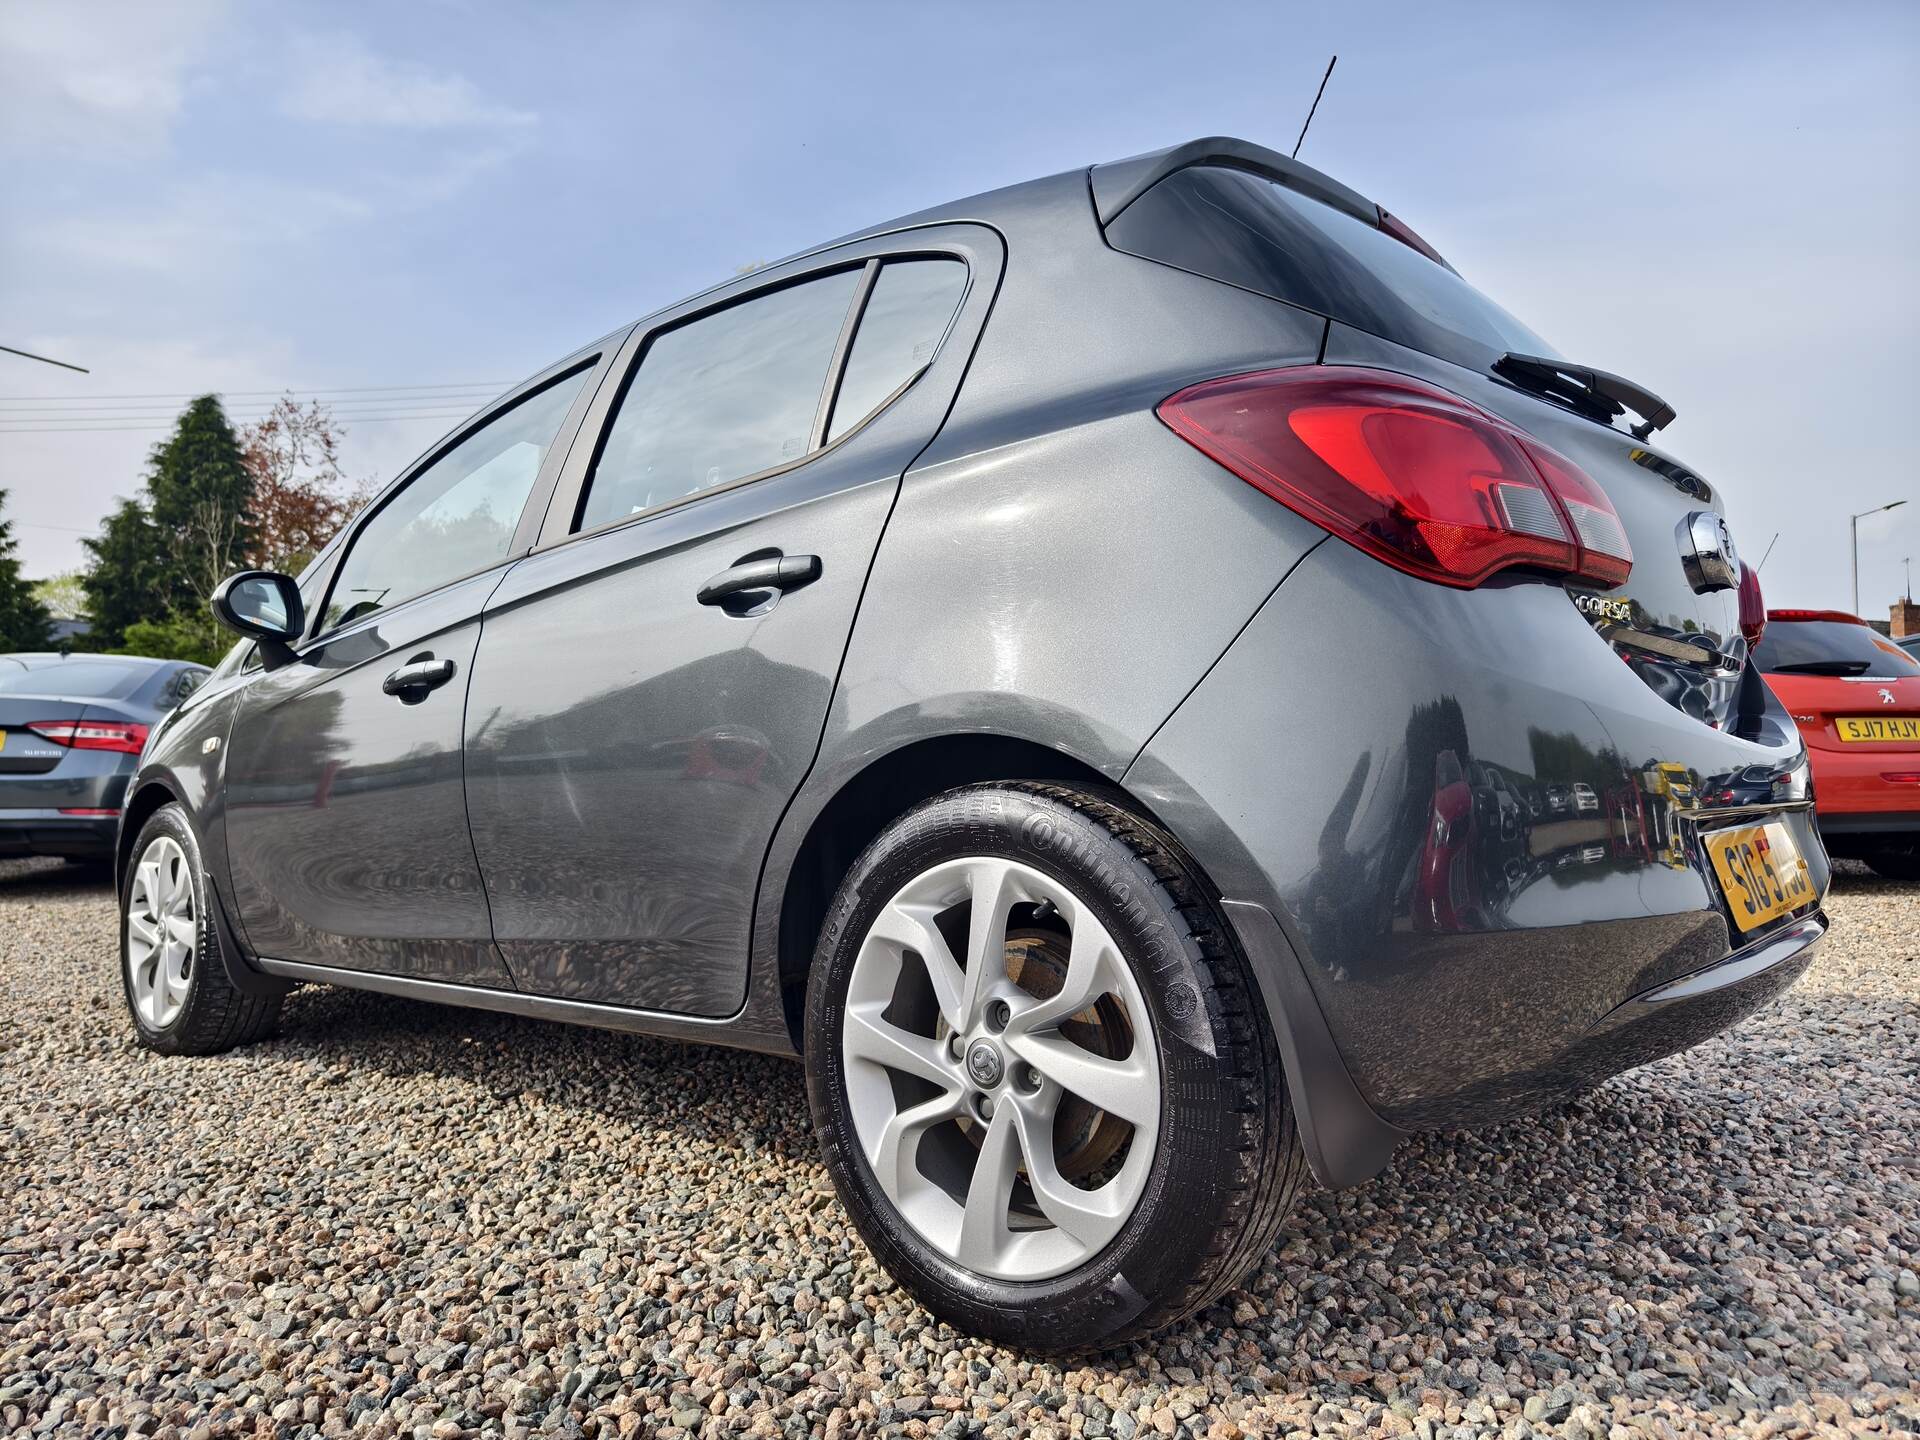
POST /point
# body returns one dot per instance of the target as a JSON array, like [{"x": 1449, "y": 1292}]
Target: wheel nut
[
  {"x": 983, "y": 1106},
  {"x": 1029, "y": 1078},
  {"x": 954, "y": 1047},
  {"x": 998, "y": 1014}
]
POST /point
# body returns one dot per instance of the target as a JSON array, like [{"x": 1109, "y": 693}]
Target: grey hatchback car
[
  {"x": 72, "y": 726},
  {"x": 1085, "y": 667}
]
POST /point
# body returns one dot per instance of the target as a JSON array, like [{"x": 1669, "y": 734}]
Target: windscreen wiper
[
  {"x": 1824, "y": 667},
  {"x": 1597, "y": 393}
]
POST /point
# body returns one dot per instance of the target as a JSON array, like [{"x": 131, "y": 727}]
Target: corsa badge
[{"x": 1604, "y": 608}]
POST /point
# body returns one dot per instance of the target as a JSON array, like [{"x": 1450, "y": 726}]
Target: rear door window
[
  {"x": 905, "y": 318},
  {"x": 724, "y": 397},
  {"x": 1829, "y": 647},
  {"x": 1249, "y": 231}
]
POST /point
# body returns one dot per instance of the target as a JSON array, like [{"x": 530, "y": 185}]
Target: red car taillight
[
  {"x": 1408, "y": 473},
  {"x": 124, "y": 736},
  {"x": 1753, "y": 609}
]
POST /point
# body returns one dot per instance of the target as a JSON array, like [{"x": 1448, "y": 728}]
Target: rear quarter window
[
  {"x": 901, "y": 327},
  {"x": 1249, "y": 231}
]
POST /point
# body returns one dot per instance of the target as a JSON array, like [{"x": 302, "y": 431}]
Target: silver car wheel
[
  {"x": 163, "y": 930},
  {"x": 1008, "y": 1104}
]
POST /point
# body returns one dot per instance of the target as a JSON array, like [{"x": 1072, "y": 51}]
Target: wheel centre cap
[{"x": 984, "y": 1065}]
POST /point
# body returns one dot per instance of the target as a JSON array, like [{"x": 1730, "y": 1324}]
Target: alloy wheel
[
  {"x": 162, "y": 931},
  {"x": 1000, "y": 1069}
]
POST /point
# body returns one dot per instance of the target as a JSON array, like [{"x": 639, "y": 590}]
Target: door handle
[
  {"x": 413, "y": 680},
  {"x": 773, "y": 572}
]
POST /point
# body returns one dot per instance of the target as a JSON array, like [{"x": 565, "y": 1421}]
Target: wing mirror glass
[{"x": 264, "y": 607}]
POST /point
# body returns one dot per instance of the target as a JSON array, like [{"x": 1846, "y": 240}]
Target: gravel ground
[{"x": 397, "y": 1219}]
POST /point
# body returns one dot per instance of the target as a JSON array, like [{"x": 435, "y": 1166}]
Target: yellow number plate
[
  {"x": 1761, "y": 871},
  {"x": 1878, "y": 729}
]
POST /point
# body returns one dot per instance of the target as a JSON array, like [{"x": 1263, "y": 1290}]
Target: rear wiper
[
  {"x": 1825, "y": 667},
  {"x": 1598, "y": 393}
]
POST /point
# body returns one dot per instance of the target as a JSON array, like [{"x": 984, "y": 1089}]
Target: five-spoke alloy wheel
[{"x": 1045, "y": 1086}]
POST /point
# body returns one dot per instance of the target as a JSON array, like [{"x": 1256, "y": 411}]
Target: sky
[{"x": 1721, "y": 201}]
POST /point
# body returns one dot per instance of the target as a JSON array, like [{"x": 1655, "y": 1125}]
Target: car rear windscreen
[
  {"x": 76, "y": 679},
  {"x": 1829, "y": 647},
  {"x": 1249, "y": 231}
]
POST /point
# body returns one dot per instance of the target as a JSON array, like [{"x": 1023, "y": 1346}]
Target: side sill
[
  {"x": 1346, "y": 1142},
  {"x": 723, "y": 1031}
]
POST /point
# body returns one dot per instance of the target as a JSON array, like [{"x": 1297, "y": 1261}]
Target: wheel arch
[
  {"x": 149, "y": 794},
  {"x": 1345, "y": 1141},
  {"x": 871, "y": 799}
]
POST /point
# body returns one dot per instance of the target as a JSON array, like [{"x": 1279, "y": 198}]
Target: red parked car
[{"x": 1856, "y": 697}]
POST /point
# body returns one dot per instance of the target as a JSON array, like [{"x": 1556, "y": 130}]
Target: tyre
[
  {"x": 1045, "y": 1086},
  {"x": 170, "y": 964},
  {"x": 1896, "y": 862}
]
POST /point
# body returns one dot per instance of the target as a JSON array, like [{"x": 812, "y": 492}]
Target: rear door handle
[
  {"x": 412, "y": 681},
  {"x": 774, "y": 572}
]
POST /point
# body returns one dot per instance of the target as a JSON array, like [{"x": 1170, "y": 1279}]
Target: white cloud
[
  {"x": 339, "y": 81},
  {"x": 79, "y": 75}
]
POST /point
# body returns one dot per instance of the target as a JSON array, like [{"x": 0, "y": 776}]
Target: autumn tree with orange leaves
[{"x": 301, "y": 498}]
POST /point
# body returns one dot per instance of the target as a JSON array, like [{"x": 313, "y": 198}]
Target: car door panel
[
  {"x": 346, "y": 819},
  {"x": 346, "y": 811},
  {"x": 629, "y": 749}
]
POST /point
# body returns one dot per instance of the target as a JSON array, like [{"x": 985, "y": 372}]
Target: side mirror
[{"x": 265, "y": 607}]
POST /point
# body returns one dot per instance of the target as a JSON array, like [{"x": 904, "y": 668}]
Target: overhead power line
[
  {"x": 100, "y": 427},
  {"x": 125, "y": 408},
  {"x": 493, "y": 386},
  {"x": 237, "y": 414}
]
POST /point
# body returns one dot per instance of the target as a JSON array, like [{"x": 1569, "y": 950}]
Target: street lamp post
[{"x": 1853, "y": 523}]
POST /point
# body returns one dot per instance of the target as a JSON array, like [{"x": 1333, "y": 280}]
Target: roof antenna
[
  {"x": 1763, "y": 559},
  {"x": 1316, "y": 104}
]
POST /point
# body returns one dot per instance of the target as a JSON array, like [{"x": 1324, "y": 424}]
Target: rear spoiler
[{"x": 1119, "y": 183}]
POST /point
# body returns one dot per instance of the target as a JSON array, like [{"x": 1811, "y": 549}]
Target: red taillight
[
  {"x": 1753, "y": 609},
  {"x": 1408, "y": 473},
  {"x": 124, "y": 736}
]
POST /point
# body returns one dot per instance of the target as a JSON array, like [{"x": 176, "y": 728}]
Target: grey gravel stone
[{"x": 401, "y": 1221}]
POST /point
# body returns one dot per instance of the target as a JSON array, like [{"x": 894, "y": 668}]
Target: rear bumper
[
  {"x": 1853, "y": 784},
  {"x": 35, "y": 810},
  {"x": 1374, "y": 761},
  {"x": 1657, "y": 1023},
  {"x": 49, "y": 832}
]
